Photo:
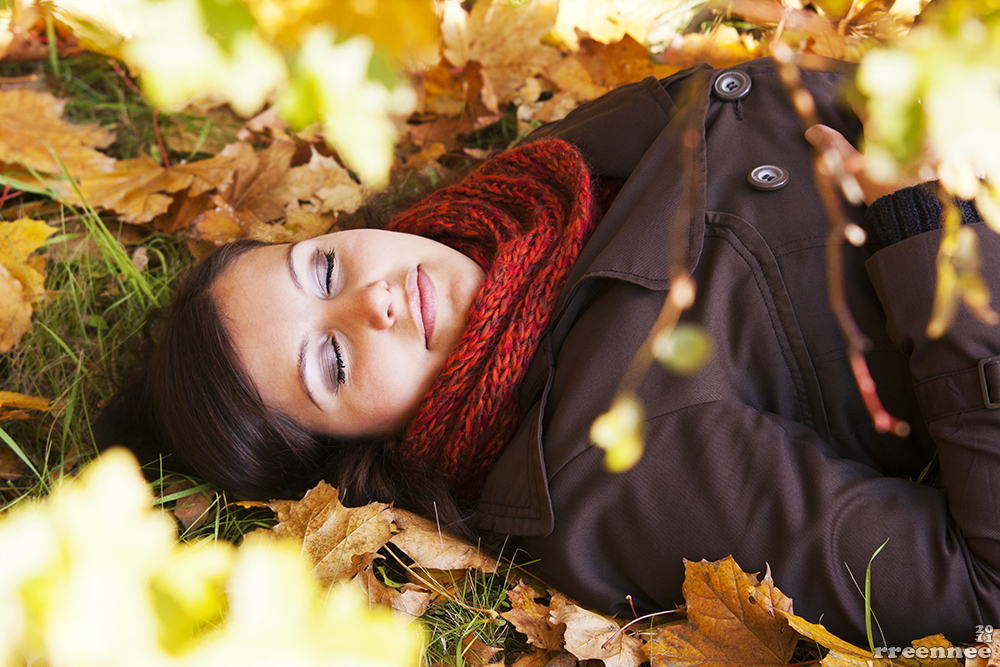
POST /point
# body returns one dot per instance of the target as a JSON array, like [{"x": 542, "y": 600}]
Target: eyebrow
[
  {"x": 305, "y": 341},
  {"x": 291, "y": 266}
]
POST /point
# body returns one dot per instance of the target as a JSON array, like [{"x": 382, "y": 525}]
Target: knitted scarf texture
[{"x": 523, "y": 216}]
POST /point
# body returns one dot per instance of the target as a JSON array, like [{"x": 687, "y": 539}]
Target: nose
[{"x": 370, "y": 305}]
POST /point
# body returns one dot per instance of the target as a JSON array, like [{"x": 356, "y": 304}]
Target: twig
[
  {"x": 840, "y": 228},
  {"x": 159, "y": 140},
  {"x": 636, "y": 620}
]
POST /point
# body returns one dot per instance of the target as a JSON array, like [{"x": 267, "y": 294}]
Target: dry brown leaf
[
  {"x": 409, "y": 600},
  {"x": 13, "y": 405},
  {"x": 191, "y": 510},
  {"x": 135, "y": 188},
  {"x": 11, "y": 465},
  {"x": 597, "y": 67},
  {"x": 475, "y": 651},
  {"x": 333, "y": 535},
  {"x": 434, "y": 549},
  {"x": 732, "y": 619},
  {"x": 265, "y": 188},
  {"x": 842, "y": 654},
  {"x": 466, "y": 94},
  {"x": 32, "y": 129},
  {"x": 296, "y": 227},
  {"x": 563, "y": 660},
  {"x": 591, "y": 636},
  {"x": 928, "y": 644},
  {"x": 219, "y": 127},
  {"x": 987, "y": 654},
  {"x": 532, "y": 619}
]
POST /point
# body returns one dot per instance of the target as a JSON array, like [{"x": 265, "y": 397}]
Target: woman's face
[{"x": 345, "y": 333}]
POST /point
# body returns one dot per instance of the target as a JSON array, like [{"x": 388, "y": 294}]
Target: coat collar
[{"x": 654, "y": 227}]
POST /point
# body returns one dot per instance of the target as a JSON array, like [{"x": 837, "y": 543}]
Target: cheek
[{"x": 396, "y": 381}]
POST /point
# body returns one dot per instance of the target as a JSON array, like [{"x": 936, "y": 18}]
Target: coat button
[
  {"x": 768, "y": 177},
  {"x": 732, "y": 85}
]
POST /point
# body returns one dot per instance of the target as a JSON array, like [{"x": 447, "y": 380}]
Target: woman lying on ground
[{"x": 454, "y": 362}]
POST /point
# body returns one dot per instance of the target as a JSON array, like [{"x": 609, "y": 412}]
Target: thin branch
[{"x": 828, "y": 168}]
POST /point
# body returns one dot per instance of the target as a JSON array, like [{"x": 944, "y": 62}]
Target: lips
[{"x": 428, "y": 304}]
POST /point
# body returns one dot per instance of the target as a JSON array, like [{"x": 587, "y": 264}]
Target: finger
[{"x": 826, "y": 138}]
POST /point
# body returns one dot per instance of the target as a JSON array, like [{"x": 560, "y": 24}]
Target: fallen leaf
[
  {"x": 591, "y": 636},
  {"x": 137, "y": 189},
  {"x": 563, "y": 660},
  {"x": 506, "y": 39},
  {"x": 15, "y": 311},
  {"x": 598, "y": 67},
  {"x": 331, "y": 534},
  {"x": 201, "y": 130},
  {"x": 841, "y": 654},
  {"x": 264, "y": 187},
  {"x": 475, "y": 651},
  {"x": 987, "y": 654},
  {"x": 22, "y": 277},
  {"x": 935, "y": 659},
  {"x": 18, "y": 240},
  {"x": 191, "y": 509},
  {"x": 11, "y": 465},
  {"x": 532, "y": 619},
  {"x": 409, "y": 600},
  {"x": 34, "y": 134},
  {"x": 13, "y": 405},
  {"x": 732, "y": 619},
  {"x": 466, "y": 94},
  {"x": 723, "y": 46},
  {"x": 433, "y": 548}
]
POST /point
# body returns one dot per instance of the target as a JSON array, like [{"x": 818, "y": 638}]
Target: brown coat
[{"x": 768, "y": 453}]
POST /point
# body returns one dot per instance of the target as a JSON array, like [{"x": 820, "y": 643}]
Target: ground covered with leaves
[{"x": 116, "y": 175}]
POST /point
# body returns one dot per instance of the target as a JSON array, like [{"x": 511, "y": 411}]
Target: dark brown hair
[{"x": 192, "y": 406}]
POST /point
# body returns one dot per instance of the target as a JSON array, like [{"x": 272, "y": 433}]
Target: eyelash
[
  {"x": 341, "y": 376},
  {"x": 330, "y": 258}
]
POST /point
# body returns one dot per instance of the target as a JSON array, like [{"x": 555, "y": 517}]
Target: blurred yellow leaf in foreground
[{"x": 93, "y": 575}]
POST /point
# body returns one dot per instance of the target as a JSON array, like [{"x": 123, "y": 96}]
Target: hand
[{"x": 826, "y": 138}]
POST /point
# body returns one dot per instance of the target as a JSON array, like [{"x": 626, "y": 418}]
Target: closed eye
[
  {"x": 338, "y": 372},
  {"x": 330, "y": 258}
]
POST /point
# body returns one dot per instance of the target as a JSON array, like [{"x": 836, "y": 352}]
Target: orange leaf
[
  {"x": 841, "y": 653},
  {"x": 532, "y": 619},
  {"x": 331, "y": 534},
  {"x": 32, "y": 129},
  {"x": 732, "y": 620},
  {"x": 135, "y": 189}
]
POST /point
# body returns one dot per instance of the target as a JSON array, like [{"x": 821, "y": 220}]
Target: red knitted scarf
[{"x": 523, "y": 217}]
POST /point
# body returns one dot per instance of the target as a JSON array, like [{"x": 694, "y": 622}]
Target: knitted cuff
[{"x": 911, "y": 211}]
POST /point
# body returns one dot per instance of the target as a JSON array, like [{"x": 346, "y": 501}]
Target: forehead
[{"x": 254, "y": 297}]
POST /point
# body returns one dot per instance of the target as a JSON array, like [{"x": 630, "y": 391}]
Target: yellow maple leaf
[{"x": 22, "y": 277}]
